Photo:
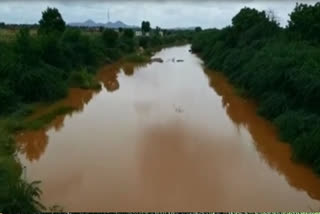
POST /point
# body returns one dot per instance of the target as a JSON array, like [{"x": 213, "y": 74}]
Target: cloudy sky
[{"x": 166, "y": 14}]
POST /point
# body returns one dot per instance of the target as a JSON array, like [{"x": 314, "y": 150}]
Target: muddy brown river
[{"x": 168, "y": 136}]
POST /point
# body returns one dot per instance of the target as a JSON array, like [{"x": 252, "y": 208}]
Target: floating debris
[
  {"x": 157, "y": 60},
  {"x": 178, "y": 109}
]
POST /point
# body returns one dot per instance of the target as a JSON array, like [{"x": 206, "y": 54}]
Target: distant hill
[{"x": 91, "y": 23}]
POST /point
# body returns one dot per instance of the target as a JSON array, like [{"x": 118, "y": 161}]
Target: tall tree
[
  {"x": 304, "y": 20},
  {"x": 145, "y": 27},
  {"x": 198, "y": 29},
  {"x": 51, "y": 21}
]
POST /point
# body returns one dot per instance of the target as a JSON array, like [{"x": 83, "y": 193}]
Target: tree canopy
[
  {"x": 145, "y": 26},
  {"x": 51, "y": 21},
  {"x": 305, "y": 20},
  {"x": 110, "y": 37}
]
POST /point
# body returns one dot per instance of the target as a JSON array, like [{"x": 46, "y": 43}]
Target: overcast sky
[{"x": 166, "y": 14}]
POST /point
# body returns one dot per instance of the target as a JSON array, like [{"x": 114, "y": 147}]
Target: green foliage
[
  {"x": 26, "y": 48},
  {"x": 271, "y": 65},
  {"x": 304, "y": 20},
  {"x": 247, "y": 18},
  {"x": 7, "y": 98},
  {"x": 45, "y": 119},
  {"x": 145, "y": 26},
  {"x": 306, "y": 149},
  {"x": 22, "y": 196},
  {"x": 198, "y": 29},
  {"x": 273, "y": 105},
  {"x": 83, "y": 79},
  {"x": 137, "y": 58},
  {"x": 42, "y": 83},
  {"x": 110, "y": 37},
  {"x": 128, "y": 33},
  {"x": 144, "y": 42},
  {"x": 16, "y": 195},
  {"x": 51, "y": 21}
]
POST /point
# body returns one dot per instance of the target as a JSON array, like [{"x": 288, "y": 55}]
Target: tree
[
  {"x": 110, "y": 37},
  {"x": 128, "y": 33},
  {"x": 51, "y": 21},
  {"x": 304, "y": 20},
  {"x": 247, "y": 18},
  {"x": 2, "y": 24},
  {"x": 198, "y": 29},
  {"x": 158, "y": 29},
  {"x": 145, "y": 27},
  {"x": 26, "y": 48}
]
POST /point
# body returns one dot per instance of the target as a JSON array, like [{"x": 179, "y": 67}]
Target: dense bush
[
  {"x": 110, "y": 37},
  {"x": 275, "y": 67},
  {"x": 304, "y": 20},
  {"x": 83, "y": 79},
  {"x": 51, "y": 21}
]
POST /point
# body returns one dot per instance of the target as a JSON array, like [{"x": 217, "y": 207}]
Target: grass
[
  {"x": 10, "y": 34},
  {"x": 7, "y": 35},
  {"x": 44, "y": 120},
  {"x": 137, "y": 58}
]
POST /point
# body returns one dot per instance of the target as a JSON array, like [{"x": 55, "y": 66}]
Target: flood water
[{"x": 165, "y": 136}]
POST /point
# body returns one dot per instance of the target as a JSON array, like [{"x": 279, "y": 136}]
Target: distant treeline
[
  {"x": 38, "y": 65},
  {"x": 278, "y": 67}
]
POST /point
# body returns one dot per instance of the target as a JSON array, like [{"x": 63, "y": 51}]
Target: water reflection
[
  {"x": 33, "y": 143},
  {"x": 276, "y": 153},
  {"x": 128, "y": 69},
  {"x": 108, "y": 76}
]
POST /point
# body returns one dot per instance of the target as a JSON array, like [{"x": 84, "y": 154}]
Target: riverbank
[{"x": 278, "y": 67}]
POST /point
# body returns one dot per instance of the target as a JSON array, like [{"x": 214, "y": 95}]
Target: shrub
[
  {"x": 110, "y": 37},
  {"x": 51, "y": 21},
  {"x": 7, "y": 98},
  {"x": 43, "y": 83},
  {"x": 83, "y": 79}
]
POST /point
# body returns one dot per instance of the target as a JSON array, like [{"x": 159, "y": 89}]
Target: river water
[{"x": 168, "y": 136}]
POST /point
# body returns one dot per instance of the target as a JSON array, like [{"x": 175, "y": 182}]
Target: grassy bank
[{"x": 278, "y": 67}]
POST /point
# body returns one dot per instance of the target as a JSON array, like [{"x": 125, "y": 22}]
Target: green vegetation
[
  {"x": 278, "y": 67},
  {"x": 84, "y": 80},
  {"x": 16, "y": 194},
  {"x": 137, "y": 58},
  {"x": 44, "y": 120},
  {"x": 145, "y": 27}
]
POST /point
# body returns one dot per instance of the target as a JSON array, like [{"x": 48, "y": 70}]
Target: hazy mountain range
[
  {"x": 115, "y": 25},
  {"x": 91, "y": 23}
]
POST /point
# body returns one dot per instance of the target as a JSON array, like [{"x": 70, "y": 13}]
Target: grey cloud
[{"x": 162, "y": 13}]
